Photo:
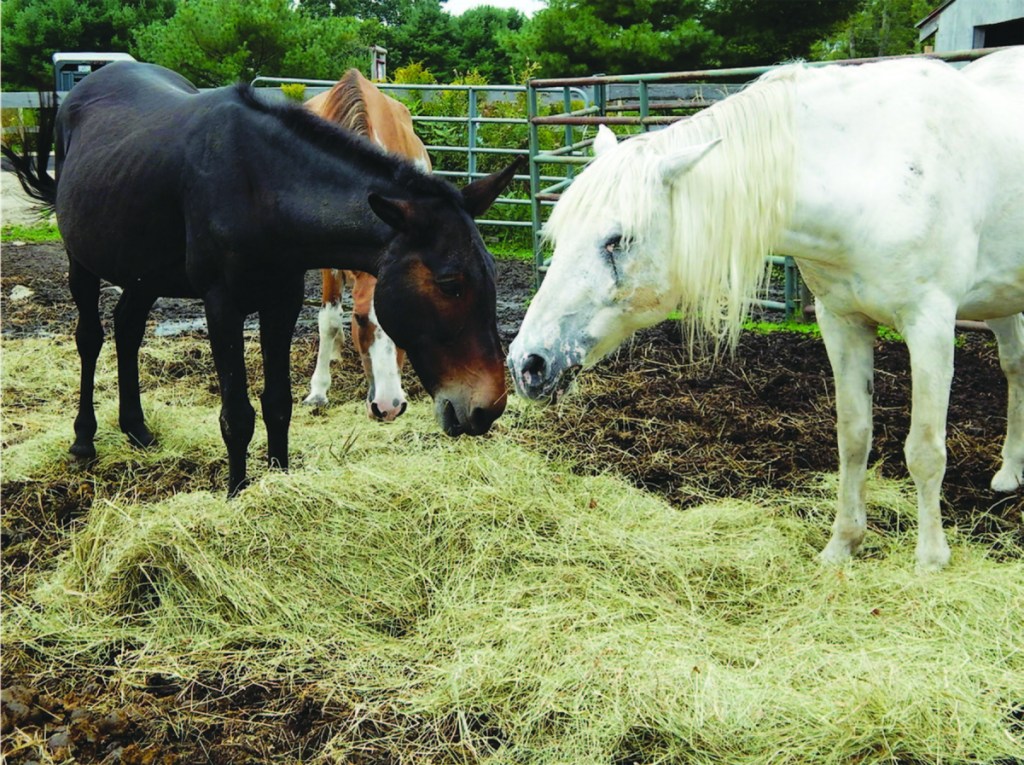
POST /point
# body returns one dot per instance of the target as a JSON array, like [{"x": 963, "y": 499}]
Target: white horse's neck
[{"x": 733, "y": 208}]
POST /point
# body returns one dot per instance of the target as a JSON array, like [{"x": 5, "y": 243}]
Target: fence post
[
  {"x": 473, "y": 115},
  {"x": 538, "y": 255}
]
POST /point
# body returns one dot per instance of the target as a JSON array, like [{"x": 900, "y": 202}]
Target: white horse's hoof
[
  {"x": 315, "y": 399},
  {"x": 836, "y": 553},
  {"x": 1006, "y": 481},
  {"x": 933, "y": 559}
]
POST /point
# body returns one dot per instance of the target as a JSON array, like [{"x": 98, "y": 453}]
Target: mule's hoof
[
  {"x": 238, "y": 488},
  {"x": 83, "y": 451},
  {"x": 315, "y": 399},
  {"x": 143, "y": 439},
  {"x": 1006, "y": 482}
]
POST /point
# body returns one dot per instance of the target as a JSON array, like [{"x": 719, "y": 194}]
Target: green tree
[
  {"x": 483, "y": 42},
  {"x": 33, "y": 30},
  {"x": 877, "y": 28},
  {"x": 760, "y": 32},
  {"x": 215, "y": 42},
  {"x": 580, "y": 37},
  {"x": 426, "y": 35}
]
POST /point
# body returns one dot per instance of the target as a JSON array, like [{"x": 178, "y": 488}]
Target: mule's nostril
[
  {"x": 534, "y": 365},
  {"x": 401, "y": 411},
  {"x": 480, "y": 420},
  {"x": 376, "y": 411}
]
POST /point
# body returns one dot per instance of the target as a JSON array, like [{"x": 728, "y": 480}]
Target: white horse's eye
[{"x": 613, "y": 244}]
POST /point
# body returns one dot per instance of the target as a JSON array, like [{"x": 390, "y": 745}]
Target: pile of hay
[{"x": 443, "y": 600}]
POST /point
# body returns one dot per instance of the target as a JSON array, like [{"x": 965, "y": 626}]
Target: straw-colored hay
[{"x": 470, "y": 601}]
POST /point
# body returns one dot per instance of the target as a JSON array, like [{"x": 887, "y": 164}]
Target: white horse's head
[{"x": 611, "y": 273}]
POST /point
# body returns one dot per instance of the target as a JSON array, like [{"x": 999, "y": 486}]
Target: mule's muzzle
[
  {"x": 457, "y": 420},
  {"x": 540, "y": 379}
]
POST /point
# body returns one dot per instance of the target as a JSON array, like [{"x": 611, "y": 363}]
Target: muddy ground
[{"x": 764, "y": 419}]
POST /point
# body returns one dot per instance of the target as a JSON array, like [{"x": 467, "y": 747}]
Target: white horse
[{"x": 897, "y": 186}]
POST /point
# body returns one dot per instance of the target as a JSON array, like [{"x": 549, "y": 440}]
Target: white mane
[{"x": 726, "y": 214}]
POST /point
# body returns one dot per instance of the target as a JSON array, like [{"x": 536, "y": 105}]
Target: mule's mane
[
  {"x": 350, "y": 146},
  {"x": 345, "y": 105},
  {"x": 726, "y": 214}
]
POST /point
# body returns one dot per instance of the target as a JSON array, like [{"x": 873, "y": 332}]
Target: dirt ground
[{"x": 764, "y": 419}]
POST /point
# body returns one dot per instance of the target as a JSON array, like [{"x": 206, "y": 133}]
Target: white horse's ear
[
  {"x": 604, "y": 140},
  {"x": 675, "y": 165}
]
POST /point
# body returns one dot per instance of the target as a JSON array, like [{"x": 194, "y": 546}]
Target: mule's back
[{"x": 117, "y": 193}]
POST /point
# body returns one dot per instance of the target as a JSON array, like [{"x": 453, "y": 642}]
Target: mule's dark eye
[
  {"x": 450, "y": 286},
  {"x": 613, "y": 243}
]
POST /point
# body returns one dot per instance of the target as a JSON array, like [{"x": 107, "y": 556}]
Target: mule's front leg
[
  {"x": 129, "y": 326},
  {"x": 85, "y": 290},
  {"x": 1009, "y": 332},
  {"x": 850, "y": 343},
  {"x": 277, "y": 324},
  {"x": 237, "y": 417},
  {"x": 930, "y": 338}
]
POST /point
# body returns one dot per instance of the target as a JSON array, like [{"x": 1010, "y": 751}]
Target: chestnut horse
[
  {"x": 166, "y": 191},
  {"x": 356, "y": 104}
]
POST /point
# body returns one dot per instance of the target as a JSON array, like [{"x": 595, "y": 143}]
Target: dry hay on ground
[{"x": 401, "y": 596}]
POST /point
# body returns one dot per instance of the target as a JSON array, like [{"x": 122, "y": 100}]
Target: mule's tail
[{"x": 32, "y": 168}]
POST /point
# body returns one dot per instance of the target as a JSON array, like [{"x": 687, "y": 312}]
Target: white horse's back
[{"x": 903, "y": 158}]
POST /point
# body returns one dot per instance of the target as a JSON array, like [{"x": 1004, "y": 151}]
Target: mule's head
[
  {"x": 610, "y": 274},
  {"x": 436, "y": 298}
]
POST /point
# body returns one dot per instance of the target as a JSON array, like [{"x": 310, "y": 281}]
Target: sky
[{"x": 529, "y": 7}]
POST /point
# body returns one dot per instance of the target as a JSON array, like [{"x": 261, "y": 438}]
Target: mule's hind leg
[
  {"x": 850, "y": 345},
  {"x": 237, "y": 417},
  {"x": 331, "y": 322},
  {"x": 1009, "y": 332},
  {"x": 85, "y": 290},
  {"x": 930, "y": 338},
  {"x": 277, "y": 324},
  {"x": 129, "y": 326}
]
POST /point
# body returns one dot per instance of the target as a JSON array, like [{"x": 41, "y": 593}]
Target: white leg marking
[
  {"x": 331, "y": 323},
  {"x": 1009, "y": 334},
  {"x": 386, "y": 385}
]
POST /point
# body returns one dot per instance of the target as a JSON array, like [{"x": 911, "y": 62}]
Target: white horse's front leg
[
  {"x": 929, "y": 337},
  {"x": 1009, "y": 332},
  {"x": 850, "y": 345}
]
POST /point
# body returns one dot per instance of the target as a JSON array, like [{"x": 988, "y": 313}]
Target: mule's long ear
[
  {"x": 397, "y": 213},
  {"x": 604, "y": 141},
  {"x": 675, "y": 165},
  {"x": 480, "y": 194}
]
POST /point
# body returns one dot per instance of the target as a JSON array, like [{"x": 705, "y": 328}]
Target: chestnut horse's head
[{"x": 436, "y": 298}]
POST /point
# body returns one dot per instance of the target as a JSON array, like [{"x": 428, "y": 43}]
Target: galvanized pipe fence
[
  {"x": 644, "y": 102},
  {"x": 558, "y": 143}
]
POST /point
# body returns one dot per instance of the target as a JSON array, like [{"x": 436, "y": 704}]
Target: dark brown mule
[
  {"x": 356, "y": 104},
  {"x": 166, "y": 191}
]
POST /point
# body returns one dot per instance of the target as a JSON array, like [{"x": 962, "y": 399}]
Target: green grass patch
[{"x": 44, "y": 231}]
